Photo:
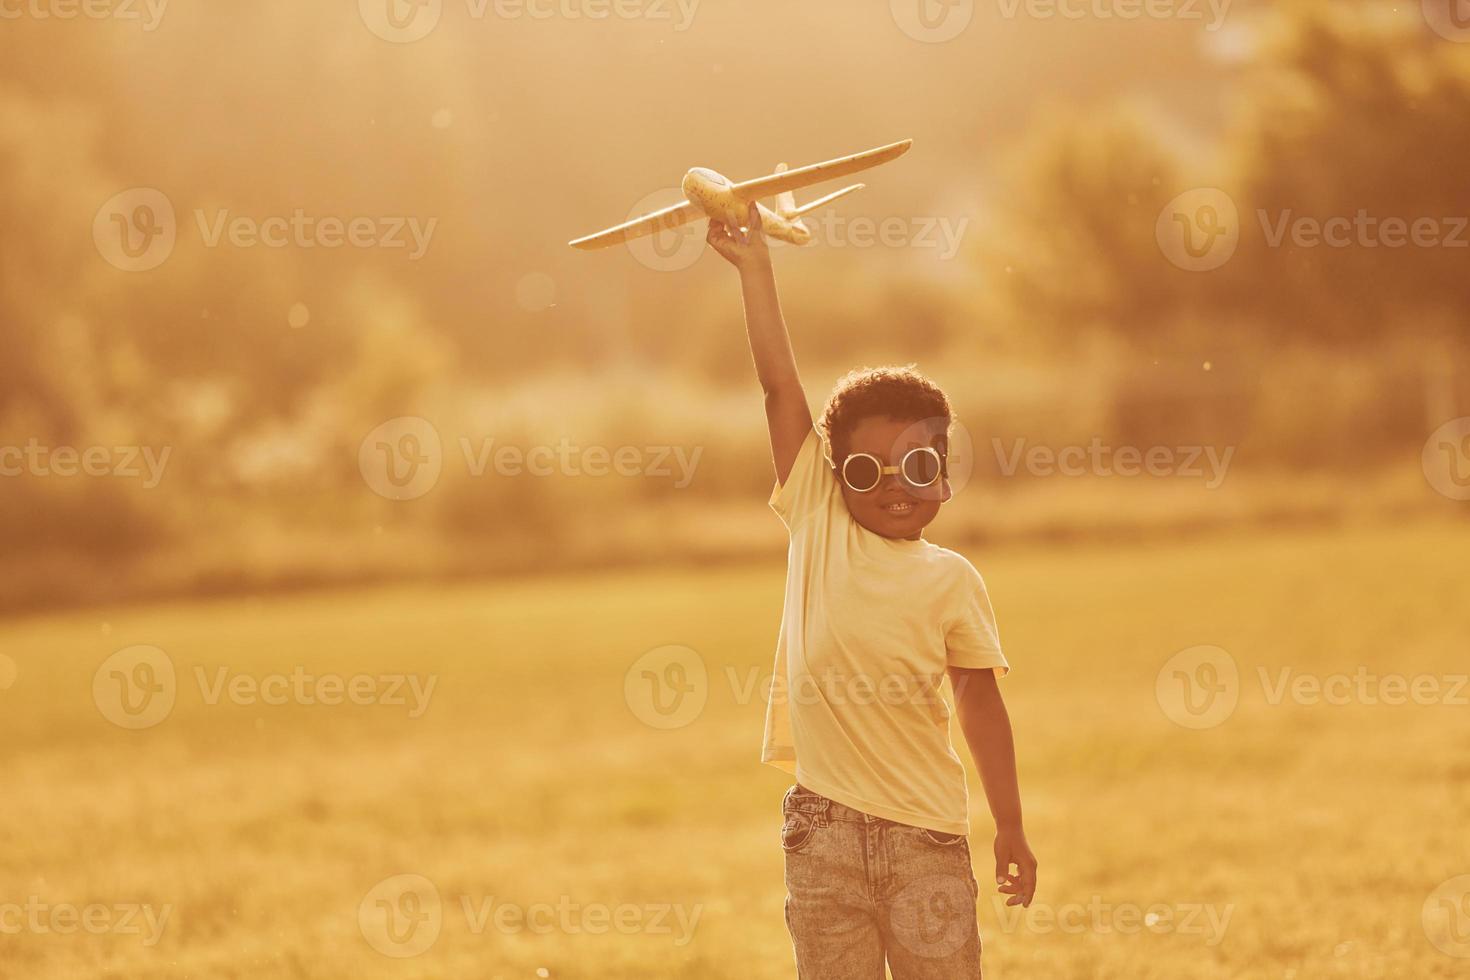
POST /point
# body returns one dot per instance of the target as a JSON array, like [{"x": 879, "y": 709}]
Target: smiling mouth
[{"x": 900, "y": 508}]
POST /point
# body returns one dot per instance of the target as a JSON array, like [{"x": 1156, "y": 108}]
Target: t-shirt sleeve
[
  {"x": 972, "y": 639},
  {"x": 810, "y": 487}
]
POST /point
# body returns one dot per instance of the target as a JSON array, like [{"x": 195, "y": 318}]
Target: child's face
[{"x": 895, "y": 508}]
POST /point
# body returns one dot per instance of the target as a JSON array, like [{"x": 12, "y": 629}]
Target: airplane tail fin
[
  {"x": 786, "y": 200},
  {"x": 796, "y": 212}
]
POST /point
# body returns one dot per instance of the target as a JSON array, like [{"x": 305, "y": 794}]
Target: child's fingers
[
  {"x": 719, "y": 238},
  {"x": 1028, "y": 882},
  {"x": 754, "y": 217}
]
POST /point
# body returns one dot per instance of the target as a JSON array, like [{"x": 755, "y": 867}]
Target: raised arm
[{"x": 788, "y": 417}]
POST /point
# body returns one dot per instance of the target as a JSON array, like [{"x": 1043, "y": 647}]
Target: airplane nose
[{"x": 692, "y": 186}]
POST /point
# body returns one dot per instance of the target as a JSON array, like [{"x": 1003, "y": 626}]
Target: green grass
[{"x": 1321, "y": 829}]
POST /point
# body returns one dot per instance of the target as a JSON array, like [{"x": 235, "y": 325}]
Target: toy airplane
[{"x": 711, "y": 195}]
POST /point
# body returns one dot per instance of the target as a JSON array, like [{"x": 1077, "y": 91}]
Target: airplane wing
[
  {"x": 791, "y": 180},
  {"x": 648, "y": 224}
]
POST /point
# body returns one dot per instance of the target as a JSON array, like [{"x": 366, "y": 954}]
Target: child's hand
[
  {"x": 1011, "y": 849},
  {"x": 745, "y": 250}
]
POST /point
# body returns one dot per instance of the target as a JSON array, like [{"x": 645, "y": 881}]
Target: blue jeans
[{"x": 861, "y": 889}]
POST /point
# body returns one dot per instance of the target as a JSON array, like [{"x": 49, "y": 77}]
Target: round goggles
[{"x": 920, "y": 467}]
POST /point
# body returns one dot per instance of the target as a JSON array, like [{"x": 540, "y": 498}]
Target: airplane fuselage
[{"x": 712, "y": 193}]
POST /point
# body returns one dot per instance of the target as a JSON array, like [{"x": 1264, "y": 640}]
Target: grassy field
[{"x": 1290, "y": 840}]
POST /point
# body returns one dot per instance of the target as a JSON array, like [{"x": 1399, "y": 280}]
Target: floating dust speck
[
  {"x": 535, "y": 291},
  {"x": 298, "y": 316},
  {"x": 442, "y": 118}
]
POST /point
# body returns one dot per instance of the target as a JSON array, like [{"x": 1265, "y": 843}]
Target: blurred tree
[{"x": 1357, "y": 118}]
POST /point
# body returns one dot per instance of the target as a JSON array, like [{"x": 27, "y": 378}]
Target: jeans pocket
[
  {"x": 796, "y": 830},
  {"x": 940, "y": 839}
]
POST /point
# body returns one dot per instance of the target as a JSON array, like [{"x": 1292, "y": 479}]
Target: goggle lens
[
  {"x": 862, "y": 472},
  {"x": 921, "y": 467}
]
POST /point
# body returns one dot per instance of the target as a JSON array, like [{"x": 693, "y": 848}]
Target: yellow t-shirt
[{"x": 869, "y": 626}]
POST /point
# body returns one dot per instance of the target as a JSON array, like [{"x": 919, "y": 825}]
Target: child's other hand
[
  {"x": 1011, "y": 849},
  {"x": 745, "y": 250}
]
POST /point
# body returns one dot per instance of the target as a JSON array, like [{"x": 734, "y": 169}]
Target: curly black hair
[{"x": 898, "y": 392}]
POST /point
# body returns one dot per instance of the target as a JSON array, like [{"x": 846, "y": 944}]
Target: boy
[{"x": 874, "y": 831}]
